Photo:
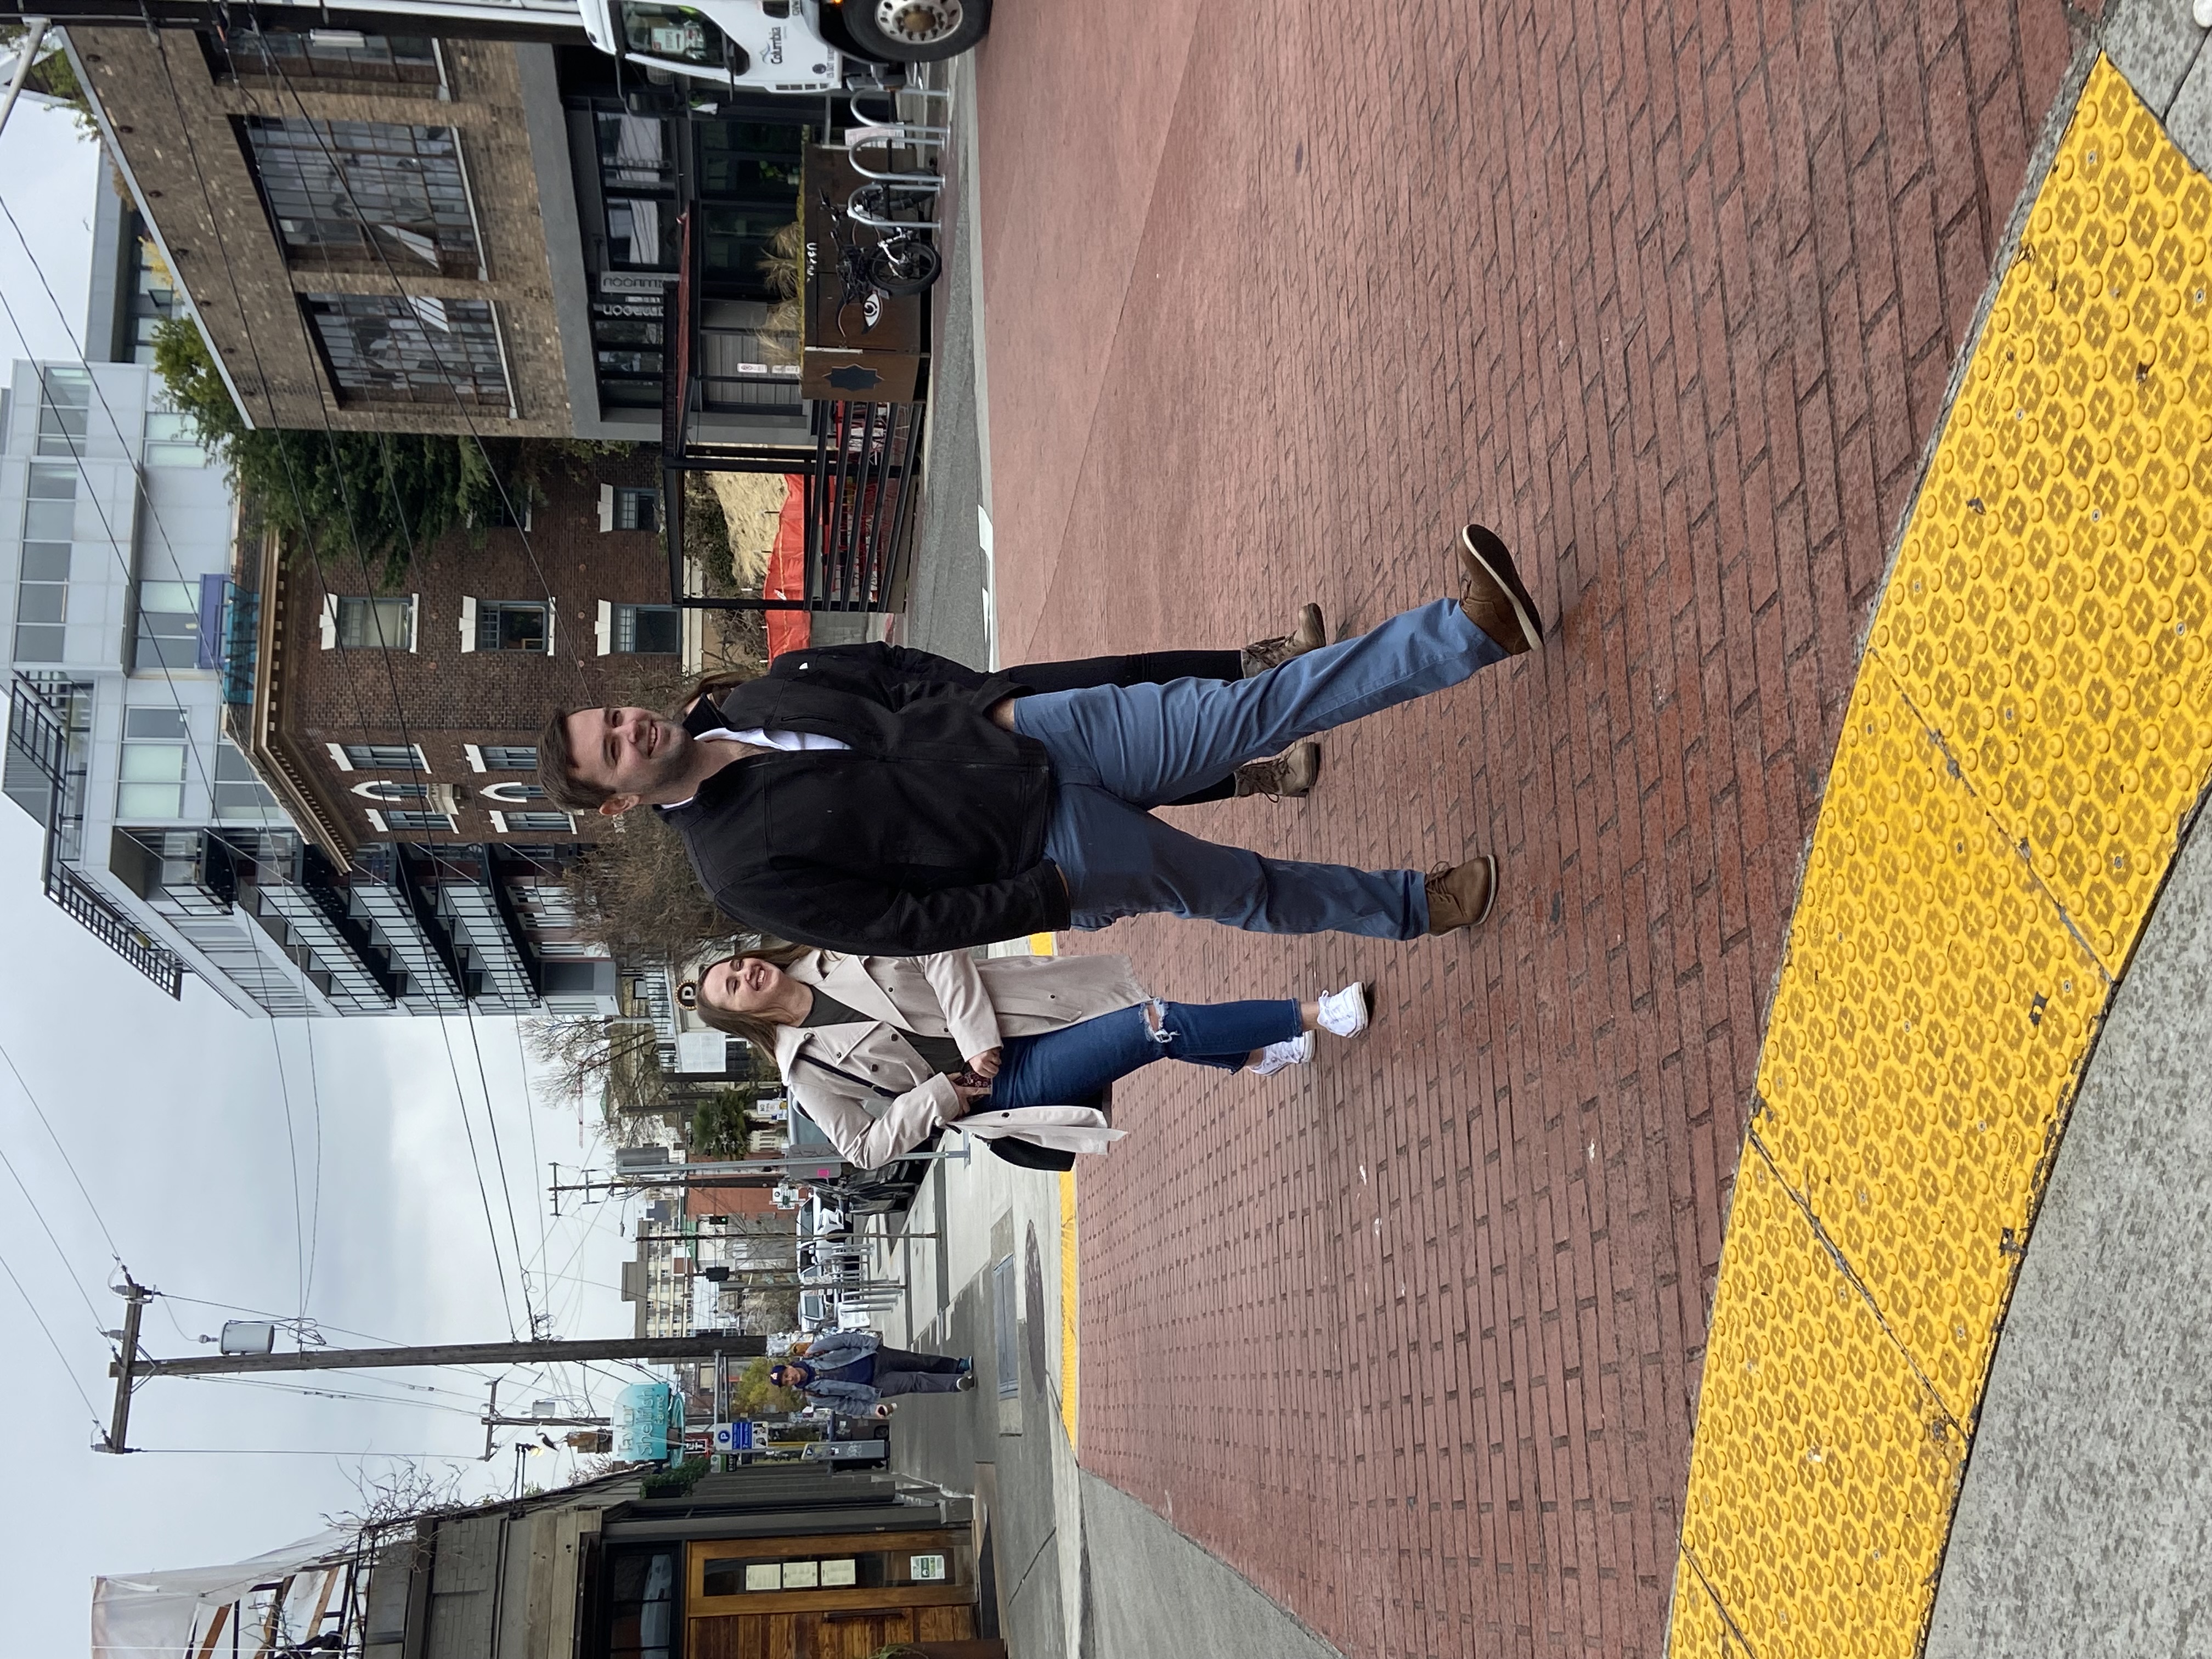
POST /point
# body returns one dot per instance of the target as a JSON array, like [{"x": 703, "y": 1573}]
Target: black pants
[
  {"x": 1140, "y": 668},
  {"x": 899, "y": 1371}
]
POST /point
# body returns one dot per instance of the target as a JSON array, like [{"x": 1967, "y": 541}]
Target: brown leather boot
[
  {"x": 1262, "y": 654},
  {"x": 1461, "y": 894},
  {"x": 1493, "y": 595},
  {"x": 1291, "y": 774}
]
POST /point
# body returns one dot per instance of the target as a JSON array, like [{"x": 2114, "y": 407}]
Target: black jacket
[{"x": 926, "y": 835}]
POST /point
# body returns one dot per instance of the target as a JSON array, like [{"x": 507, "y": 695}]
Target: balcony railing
[
  {"x": 39, "y": 734},
  {"x": 107, "y": 924}
]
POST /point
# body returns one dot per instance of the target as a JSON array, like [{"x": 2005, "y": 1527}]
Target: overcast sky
[{"x": 215, "y": 1186}]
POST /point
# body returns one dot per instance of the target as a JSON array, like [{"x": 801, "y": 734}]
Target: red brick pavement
[{"x": 1275, "y": 296}]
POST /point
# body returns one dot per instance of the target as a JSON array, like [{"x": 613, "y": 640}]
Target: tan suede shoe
[
  {"x": 1461, "y": 894},
  {"x": 1291, "y": 774},
  {"x": 1310, "y": 636},
  {"x": 1493, "y": 595}
]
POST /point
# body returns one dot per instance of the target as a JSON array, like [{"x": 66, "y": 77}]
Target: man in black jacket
[{"x": 873, "y": 799}]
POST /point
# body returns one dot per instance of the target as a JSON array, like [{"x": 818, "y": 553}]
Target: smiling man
[{"x": 873, "y": 799}]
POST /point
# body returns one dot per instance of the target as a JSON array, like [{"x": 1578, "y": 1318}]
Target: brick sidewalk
[{"x": 1412, "y": 1339}]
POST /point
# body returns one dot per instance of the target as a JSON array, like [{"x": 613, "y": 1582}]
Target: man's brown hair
[
  {"x": 556, "y": 769},
  {"x": 557, "y": 757}
]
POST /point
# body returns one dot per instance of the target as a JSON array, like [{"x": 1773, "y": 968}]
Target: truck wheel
[{"x": 915, "y": 31}]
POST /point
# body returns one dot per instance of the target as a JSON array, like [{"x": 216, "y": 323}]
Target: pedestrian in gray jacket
[{"x": 852, "y": 1372}]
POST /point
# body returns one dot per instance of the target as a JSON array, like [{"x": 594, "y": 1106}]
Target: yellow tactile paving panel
[
  {"x": 1069, "y": 1346},
  {"x": 2048, "y": 610},
  {"x": 1923, "y": 1039},
  {"x": 2032, "y": 724},
  {"x": 1700, "y": 1632},
  {"x": 1823, "y": 1469}
]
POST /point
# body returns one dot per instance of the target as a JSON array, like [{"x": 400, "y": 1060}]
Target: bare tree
[
  {"x": 617, "y": 1059},
  {"x": 636, "y": 893},
  {"x": 396, "y": 1497}
]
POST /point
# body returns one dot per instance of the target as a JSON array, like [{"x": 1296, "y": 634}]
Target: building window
[
  {"x": 507, "y": 757},
  {"x": 240, "y": 794},
  {"x": 151, "y": 782},
  {"x": 379, "y": 757},
  {"x": 510, "y": 507},
  {"x": 383, "y": 790},
  {"x": 64, "y": 405},
  {"x": 414, "y": 349},
  {"x": 173, "y": 440},
  {"x": 353, "y": 621},
  {"x": 42, "y": 583},
  {"x": 417, "y": 821},
  {"x": 624, "y": 509},
  {"x": 285, "y": 56},
  {"x": 641, "y": 232},
  {"x": 512, "y": 625},
  {"x": 648, "y": 629},
  {"x": 361, "y": 193},
  {"x": 514, "y": 794},
  {"x": 168, "y": 626},
  {"x": 541, "y": 824}
]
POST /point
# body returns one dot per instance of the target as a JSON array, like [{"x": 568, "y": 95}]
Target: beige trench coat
[{"x": 976, "y": 1004}]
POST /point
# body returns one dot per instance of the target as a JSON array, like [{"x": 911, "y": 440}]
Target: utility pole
[
  {"x": 132, "y": 1368},
  {"x": 492, "y": 1419},
  {"x": 126, "y": 1362}
]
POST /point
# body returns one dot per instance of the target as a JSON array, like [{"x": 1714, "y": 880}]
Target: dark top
[
  {"x": 926, "y": 833},
  {"x": 939, "y": 1053},
  {"x": 860, "y": 1368}
]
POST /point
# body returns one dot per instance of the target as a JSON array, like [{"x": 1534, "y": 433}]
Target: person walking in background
[
  {"x": 852, "y": 1372},
  {"x": 883, "y": 1052},
  {"x": 866, "y": 799}
]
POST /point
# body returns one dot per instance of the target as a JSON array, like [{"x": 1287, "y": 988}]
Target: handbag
[{"x": 1026, "y": 1154}]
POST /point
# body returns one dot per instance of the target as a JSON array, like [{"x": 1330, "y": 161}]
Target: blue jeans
[
  {"x": 1117, "y": 752},
  {"x": 1072, "y": 1066}
]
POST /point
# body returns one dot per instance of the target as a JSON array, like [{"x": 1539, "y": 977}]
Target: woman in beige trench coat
[{"x": 882, "y": 1052}]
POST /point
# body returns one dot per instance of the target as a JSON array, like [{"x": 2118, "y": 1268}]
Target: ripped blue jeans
[{"x": 1070, "y": 1066}]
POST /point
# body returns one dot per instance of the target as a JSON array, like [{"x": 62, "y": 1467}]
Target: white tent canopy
[{"x": 163, "y": 1615}]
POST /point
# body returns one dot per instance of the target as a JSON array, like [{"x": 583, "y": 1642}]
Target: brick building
[
  {"x": 435, "y": 737},
  {"x": 402, "y": 225},
  {"x": 398, "y": 729}
]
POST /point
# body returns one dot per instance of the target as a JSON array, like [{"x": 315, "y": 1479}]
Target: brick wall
[{"x": 443, "y": 698}]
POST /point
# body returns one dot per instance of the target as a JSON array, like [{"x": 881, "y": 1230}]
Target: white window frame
[
  {"x": 469, "y": 613},
  {"x": 330, "y": 619},
  {"x": 606, "y": 513},
  {"x": 500, "y": 826},
  {"x": 604, "y": 631},
  {"x": 520, "y": 803},
  {"x": 371, "y": 790},
  {"x": 345, "y": 764}
]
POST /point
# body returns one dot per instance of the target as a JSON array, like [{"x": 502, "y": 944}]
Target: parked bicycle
[{"x": 900, "y": 263}]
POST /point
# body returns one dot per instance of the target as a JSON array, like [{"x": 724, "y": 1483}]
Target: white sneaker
[
  {"x": 1345, "y": 1012},
  {"x": 1276, "y": 1056}
]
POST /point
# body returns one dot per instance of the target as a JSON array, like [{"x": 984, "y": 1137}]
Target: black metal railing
[
  {"x": 38, "y": 734},
  {"x": 100, "y": 917},
  {"x": 861, "y": 503}
]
